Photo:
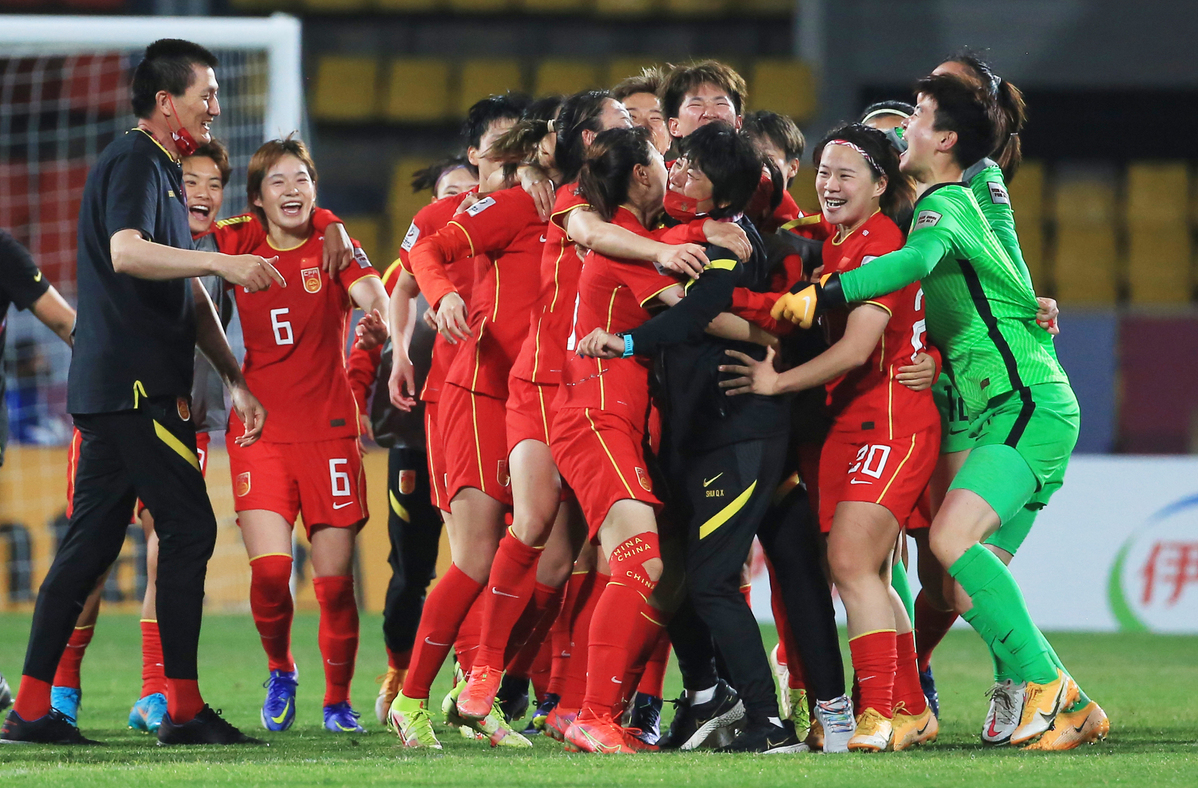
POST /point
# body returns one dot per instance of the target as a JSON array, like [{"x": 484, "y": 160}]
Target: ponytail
[{"x": 607, "y": 172}]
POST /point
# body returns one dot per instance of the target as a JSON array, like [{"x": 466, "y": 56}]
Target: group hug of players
[{"x": 646, "y": 356}]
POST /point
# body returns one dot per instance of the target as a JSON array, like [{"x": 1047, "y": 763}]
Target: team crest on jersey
[
  {"x": 502, "y": 474},
  {"x": 311, "y": 277},
  {"x": 998, "y": 195},
  {"x": 642, "y": 476},
  {"x": 407, "y": 482},
  {"x": 243, "y": 484},
  {"x": 480, "y": 206},
  {"x": 184, "y": 408},
  {"x": 411, "y": 238},
  {"x": 927, "y": 219}
]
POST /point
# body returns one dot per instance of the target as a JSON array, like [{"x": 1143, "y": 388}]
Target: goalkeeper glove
[{"x": 805, "y": 302}]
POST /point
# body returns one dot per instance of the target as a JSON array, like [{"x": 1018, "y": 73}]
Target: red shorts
[
  {"x": 922, "y": 516},
  {"x": 475, "y": 440},
  {"x": 322, "y": 480},
  {"x": 602, "y": 457},
  {"x": 202, "y": 441},
  {"x": 435, "y": 448},
  {"x": 529, "y": 411},
  {"x": 892, "y": 473}
]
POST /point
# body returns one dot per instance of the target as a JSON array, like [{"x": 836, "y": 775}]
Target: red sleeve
[
  {"x": 391, "y": 276},
  {"x": 360, "y": 268},
  {"x": 645, "y": 280},
  {"x": 429, "y": 256},
  {"x": 239, "y": 234},
  {"x": 787, "y": 211},
  {"x": 362, "y": 367},
  {"x": 934, "y": 352},
  {"x": 755, "y": 307},
  {"x": 322, "y": 218},
  {"x": 492, "y": 223},
  {"x": 685, "y": 233}
]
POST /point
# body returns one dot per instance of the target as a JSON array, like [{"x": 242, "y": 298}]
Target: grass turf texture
[{"x": 1145, "y": 683}]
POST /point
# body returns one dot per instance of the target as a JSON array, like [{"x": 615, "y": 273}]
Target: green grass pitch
[{"x": 1147, "y": 684}]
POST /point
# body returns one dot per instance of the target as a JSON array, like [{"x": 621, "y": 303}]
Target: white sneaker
[
  {"x": 782, "y": 676},
  {"x": 836, "y": 717},
  {"x": 1006, "y": 704}
]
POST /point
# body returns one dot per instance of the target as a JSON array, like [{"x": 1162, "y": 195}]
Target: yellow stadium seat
[
  {"x": 1031, "y": 242},
  {"x": 367, "y": 230},
  {"x": 625, "y": 7},
  {"x": 418, "y": 89},
  {"x": 482, "y": 78},
  {"x": 621, "y": 68},
  {"x": 783, "y": 86},
  {"x": 1084, "y": 201},
  {"x": 345, "y": 88},
  {"x": 803, "y": 189},
  {"x": 1159, "y": 265},
  {"x": 767, "y": 7},
  {"x": 564, "y": 77},
  {"x": 1157, "y": 194},
  {"x": 1027, "y": 192},
  {"x": 405, "y": 6},
  {"x": 696, "y": 7},
  {"x": 556, "y": 6},
  {"x": 1085, "y": 265},
  {"x": 402, "y": 202},
  {"x": 480, "y": 6},
  {"x": 335, "y": 6}
]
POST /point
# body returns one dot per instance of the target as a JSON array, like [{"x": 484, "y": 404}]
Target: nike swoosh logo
[
  {"x": 925, "y": 727},
  {"x": 337, "y": 664},
  {"x": 990, "y": 731},
  {"x": 958, "y": 432},
  {"x": 37, "y": 277},
  {"x": 542, "y": 239},
  {"x": 279, "y": 719},
  {"x": 707, "y": 482},
  {"x": 343, "y": 728},
  {"x": 1078, "y": 729},
  {"x": 615, "y": 680},
  {"x": 343, "y": 505},
  {"x": 858, "y": 481},
  {"x": 496, "y": 591},
  {"x": 432, "y": 642},
  {"x": 600, "y": 746}
]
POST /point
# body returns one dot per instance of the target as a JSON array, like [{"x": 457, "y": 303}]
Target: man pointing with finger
[{"x": 141, "y": 316}]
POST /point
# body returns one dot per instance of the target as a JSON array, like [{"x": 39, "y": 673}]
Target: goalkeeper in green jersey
[{"x": 981, "y": 313}]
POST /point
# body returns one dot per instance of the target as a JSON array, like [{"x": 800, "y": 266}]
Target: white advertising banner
[{"x": 1115, "y": 550}]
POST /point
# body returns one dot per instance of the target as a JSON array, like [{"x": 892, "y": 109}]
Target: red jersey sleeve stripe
[
  {"x": 659, "y": 292},
  {"x": 466, "y": 233}
]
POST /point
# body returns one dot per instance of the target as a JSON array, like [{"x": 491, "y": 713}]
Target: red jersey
[
  {"x": 505, "y": 227},
  {"x": 427, "y": 221},
  {"x": 295, "y": 340},
  {"x": 869, "y": 397},
  {"x": 612, "y": 294},
  {"x": 363, "y": 365}
]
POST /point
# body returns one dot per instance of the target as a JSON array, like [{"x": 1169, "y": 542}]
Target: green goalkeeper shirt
[{"x": 981, "y": 309}]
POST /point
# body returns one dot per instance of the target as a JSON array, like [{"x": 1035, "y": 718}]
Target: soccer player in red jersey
[
  {"x": 506, "y": 227},
  {"x": 309, "y": 461},
  {"x": 638, "y": 94},
  {"x": 884, "y": 440}
]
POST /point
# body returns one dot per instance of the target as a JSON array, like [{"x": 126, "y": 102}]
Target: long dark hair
[
  {"x": 883, "y": 159},
  {"x": 518, "y": 145},
  {"x": 1012, "y": 110},
  {"x": 607, "y": 171}
]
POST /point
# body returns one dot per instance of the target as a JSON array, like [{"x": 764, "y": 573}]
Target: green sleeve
[
  {"x": 990, "y": 190},
  {"x": 894, "y": 271}
]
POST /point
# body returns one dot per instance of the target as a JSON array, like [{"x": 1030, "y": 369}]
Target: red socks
[
  {"x": 906, "y": 678},
  {"x": 653, "y": 680},
  {"x": 614, "y": 624},
  {"x": 72, "y": 658},
  {"x": 580, "y": 639},
  {"x": 541, "y": 613},
  {"x": 931, "y": 625},
  {"x": 510, "y": 587},
  {"x": 153, "y": 679},
  {"x": 874, "y": 656},
  {"x": 578, "y": 588},
  {"x": 33, "y": 699},
  {"x": 398, "y": 660},
  {"x": 183, "y": 701},
  {"x": 643, "y": 639},
  {"x": 272, "y": 608},
  {"x": 338, "y": 634},
  {"x": 465, "y": 643},
  {"x": 444, "y": 611}
]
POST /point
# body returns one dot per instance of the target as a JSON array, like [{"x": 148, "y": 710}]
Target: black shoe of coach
[
  {"x": 54, "y": 728},
  {"x": 766, "y": 737},
  {"x": 208, "y": 727}
]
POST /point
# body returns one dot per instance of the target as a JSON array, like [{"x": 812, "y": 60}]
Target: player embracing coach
[{"x": 142, "y": 313}]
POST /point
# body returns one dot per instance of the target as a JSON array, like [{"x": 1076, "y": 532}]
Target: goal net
[{"x": 64, "y": 95}]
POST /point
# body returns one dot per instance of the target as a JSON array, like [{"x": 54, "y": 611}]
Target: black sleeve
[
  {"x": 20, "y": 280},
  {"x": 705, "y": 298},
  {"x": 132, "y": 198}
]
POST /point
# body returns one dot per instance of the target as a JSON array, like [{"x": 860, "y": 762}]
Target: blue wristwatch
[{"x": 627, "y": 345}]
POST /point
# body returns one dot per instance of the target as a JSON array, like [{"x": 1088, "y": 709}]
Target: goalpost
[{"x": 64, "y": 95}]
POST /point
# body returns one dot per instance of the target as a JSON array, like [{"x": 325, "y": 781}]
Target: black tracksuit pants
[
  {"x": 414, "y": 528},
  {"x": 148, "y": 453}
]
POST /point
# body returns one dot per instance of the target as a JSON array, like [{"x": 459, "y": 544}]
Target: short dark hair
[
  {"x": 266, "y": 157},
  {"x": 684, "y": 79},
  {"x": 168, "y": 65},
  {"x": 965, "y": 107},
  {"x": 506, "y": 106},
  {"x": 219, "y": 154},
  {"x": 1011, "y": 107},
  {"x": 779, "y": 130},
  {"x": 883, "y": 160},
  {"x": 648, "y": 81},
  {"x": 607, "y": 171},
  {"x": 730, "y": 161},
  {"x": 427, "y": 178}
]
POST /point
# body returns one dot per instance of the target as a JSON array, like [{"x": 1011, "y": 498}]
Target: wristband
[{"x": 627, "y": 345}]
